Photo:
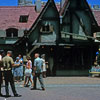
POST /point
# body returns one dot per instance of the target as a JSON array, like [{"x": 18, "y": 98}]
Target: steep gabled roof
[
  {"x": 66, "y": 5},
  {"x": 9, "y": 16},
  {"x": 42, "y": 12},
  {"x": 35, "y": 22}
]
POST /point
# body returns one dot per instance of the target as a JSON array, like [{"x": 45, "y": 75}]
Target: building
[
  {"x": 78, "y": 26},
  {"x": 14, "y": 21},
  {"x": 65, "y": 33}
]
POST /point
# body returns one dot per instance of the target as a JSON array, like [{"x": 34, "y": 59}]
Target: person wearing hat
[
  {"x": 8, "y": 63},
  {"x": 21, "y": 67},
  {"x": 16, "y": 70}
]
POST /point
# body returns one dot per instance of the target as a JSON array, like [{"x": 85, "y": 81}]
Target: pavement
[{"x": 60, "y": 88}]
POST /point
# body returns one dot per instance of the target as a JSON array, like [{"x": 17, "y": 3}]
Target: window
[
  {"x": 46, "y": 29},
  {"x": 12, "y": 32},
  {"x": 23, "y": 18}
]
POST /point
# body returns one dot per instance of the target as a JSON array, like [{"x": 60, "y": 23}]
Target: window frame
[
  {"x": 11, "y": 33},
  {"x": 23, "y": 18},
  {"x": 46, "y": 28}
]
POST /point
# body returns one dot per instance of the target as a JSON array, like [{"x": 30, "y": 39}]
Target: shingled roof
[
  {"x": 9, "y": 16},
  {"x": 95, "y": 12},
  {"x": 97, "y": 16}
]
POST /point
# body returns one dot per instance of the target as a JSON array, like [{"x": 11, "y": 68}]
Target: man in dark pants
[
  {"x": 8, "y": 63},
  {"x": 37, "y": 72},
  {"x": 0, "y": 82},
  {"x": 1, "y": 70}
]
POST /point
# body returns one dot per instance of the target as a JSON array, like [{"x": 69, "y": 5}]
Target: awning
[
  {"x": 45, "y": 43},
  {"x": 53, "y": 44}
]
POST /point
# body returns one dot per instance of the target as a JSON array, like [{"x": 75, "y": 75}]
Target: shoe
[
  {"x": 26, "y": 85},
  {"x": 1, "y": 95},
  {"x": 17, "y": 95},
  {"x": 43, "y": 89},
  {"x": 7, "y": 95},
  {"x": 33, "y": 88}
]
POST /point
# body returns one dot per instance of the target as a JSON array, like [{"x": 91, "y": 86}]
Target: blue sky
[{"x": 14, "y": 2}]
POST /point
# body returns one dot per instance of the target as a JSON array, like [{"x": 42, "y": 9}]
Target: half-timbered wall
[
  {"x": 76, "y": 20},
  {"x": 47, "y": 29}
]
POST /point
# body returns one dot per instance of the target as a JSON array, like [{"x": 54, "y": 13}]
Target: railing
[{"x": 77, "y": 35}]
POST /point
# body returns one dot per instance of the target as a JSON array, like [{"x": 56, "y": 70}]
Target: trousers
[
  {"x": 40, "y": 77},
  {"x": 8, "y": 76},
  {"x": 0, "y": 80}
]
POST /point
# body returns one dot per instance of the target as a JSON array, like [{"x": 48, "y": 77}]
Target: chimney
[{"x": 38, "y": 5}]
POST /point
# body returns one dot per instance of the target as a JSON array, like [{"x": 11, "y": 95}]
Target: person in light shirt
[
  {"x": 37, "y": 72},
  {"x": 44, "y": 65},
  {"x": 28, "y": 72}
]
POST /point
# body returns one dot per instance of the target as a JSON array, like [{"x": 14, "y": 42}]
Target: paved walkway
[
  {"x": 61, "y": 88},
  {"x": 68, "y": 81}
]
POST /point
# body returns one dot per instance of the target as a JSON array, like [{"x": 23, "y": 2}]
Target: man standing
[
  {"x": 0, "y": 81},
  {"x": 1, "y": 70},
  {"x": 8, "y": 63},
  {"x": 37, "y": 72}
]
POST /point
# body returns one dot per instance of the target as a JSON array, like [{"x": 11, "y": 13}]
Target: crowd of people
[{"x": 16, "y": 71}]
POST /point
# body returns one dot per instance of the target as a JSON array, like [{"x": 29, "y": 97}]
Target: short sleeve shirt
[
  {"x": 0, "y": 57},
  {"x": 7, "y": 62},
  {"x": 38, "y": 63},
  {"x": 29, "y": 63},
  {"x": 1, "y": 63}
]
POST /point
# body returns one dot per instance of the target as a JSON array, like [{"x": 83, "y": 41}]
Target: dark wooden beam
[
  {"x": 71, "y": 26},
  {"x": 84, "y": 30},
  {"x": 50, "y": 18}
]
